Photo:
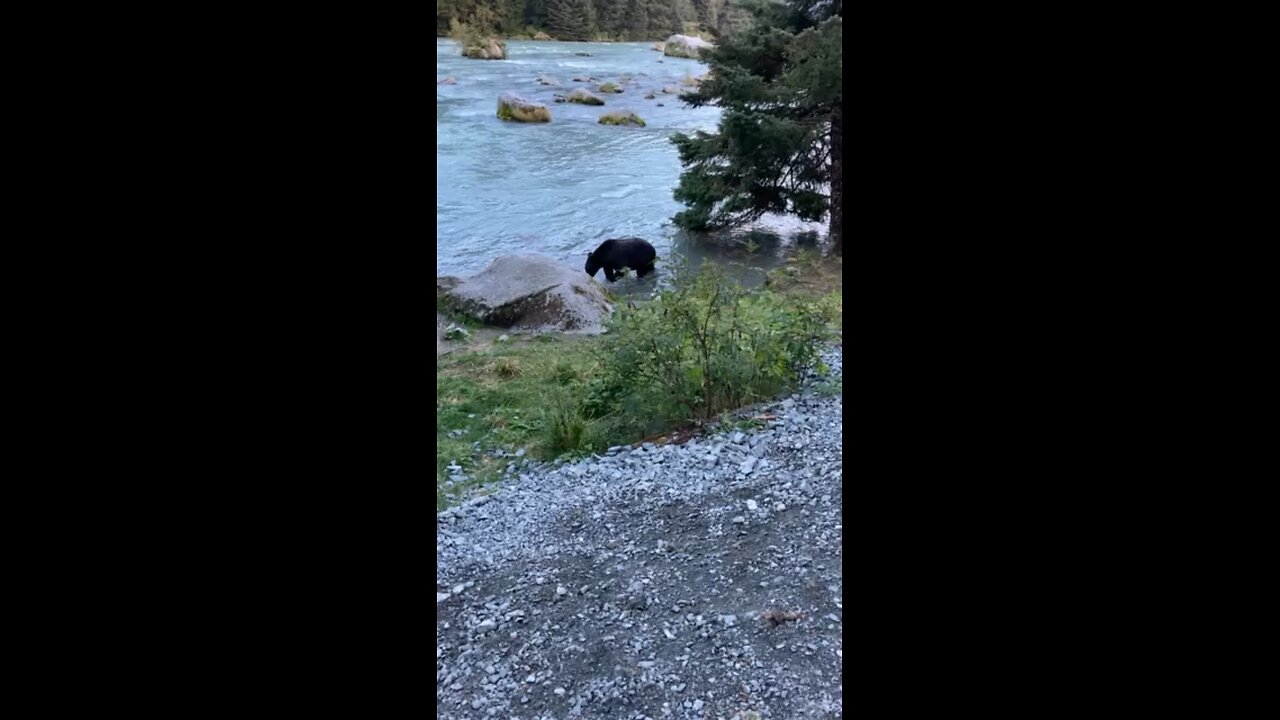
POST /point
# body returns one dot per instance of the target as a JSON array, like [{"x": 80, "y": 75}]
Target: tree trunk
[{"x": 836, "y": 230}]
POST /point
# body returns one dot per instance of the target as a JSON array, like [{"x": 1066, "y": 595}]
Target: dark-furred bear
[{"x": 616, "y": 254}]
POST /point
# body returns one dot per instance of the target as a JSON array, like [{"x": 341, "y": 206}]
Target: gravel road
[{"x": 693, "y": 581}]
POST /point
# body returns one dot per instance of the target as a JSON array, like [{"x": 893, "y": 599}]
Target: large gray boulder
[
  {"x": 685, "y": 46},
  {"x": 529, "y": 292}
]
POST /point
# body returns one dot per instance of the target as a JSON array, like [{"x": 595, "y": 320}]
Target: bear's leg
[
  {"x": 645, "y": 270},
  {"x": 610, "y": 274}
]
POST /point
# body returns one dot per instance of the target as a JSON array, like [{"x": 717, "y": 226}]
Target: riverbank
[{"x": 495, "y": 409}]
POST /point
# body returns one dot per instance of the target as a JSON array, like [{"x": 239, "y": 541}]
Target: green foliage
[
  {"x": 568, "y": 432},
  {"x": 702, "y": 348},
  {"x": 571, "y": 19},
  {"x": 565, "y": 374},
  {"x": 464, "y": 35},
  {"x": 778, "y": 83}
]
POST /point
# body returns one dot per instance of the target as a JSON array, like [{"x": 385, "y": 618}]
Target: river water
[{"x": 562, "y": 188}]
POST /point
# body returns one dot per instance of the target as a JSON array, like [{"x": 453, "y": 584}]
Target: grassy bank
[
  {"x": 501, "y": 400},
  {"x": 542, "y": 397},
  {"x": 810, "y": 276}
]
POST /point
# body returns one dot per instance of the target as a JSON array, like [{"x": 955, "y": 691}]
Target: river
[{"x": 562, "y": 188}]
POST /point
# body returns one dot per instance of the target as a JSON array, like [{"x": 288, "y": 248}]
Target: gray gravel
[{"x": 653, "y": 582}]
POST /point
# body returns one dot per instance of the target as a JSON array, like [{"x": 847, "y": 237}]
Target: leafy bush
[
  {"x": 565, "y": 374},
  {"x": 699, "y": 349},
  {"x": 464, "y": 35}
]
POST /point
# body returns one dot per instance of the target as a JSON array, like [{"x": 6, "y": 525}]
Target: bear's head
[{"x": 593, "y": 265}]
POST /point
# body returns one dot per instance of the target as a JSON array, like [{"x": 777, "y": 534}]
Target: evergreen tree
[
  {"x": 571, "y": 19},
  {"x": 535, "y": 13},
  {"x": 638, "y": 20},
  {"x": 611, "y": 17},
  {"x": 779, "y": 143},
  {"x": 663, "y": 22}
]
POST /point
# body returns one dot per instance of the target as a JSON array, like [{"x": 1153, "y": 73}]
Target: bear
[{"x": 618, "y": 253}]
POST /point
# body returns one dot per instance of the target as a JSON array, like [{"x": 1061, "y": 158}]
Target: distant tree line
[{"x": 592, "y": 19}]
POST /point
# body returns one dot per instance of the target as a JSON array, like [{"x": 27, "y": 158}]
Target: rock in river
[
  {"x": 621, "y": 118},
  {"x": 514, "y": 107},
  {"x": 685, "y": 46},
  {"x": 487, "y": 49},
  {"x": 585, "y": 97}
]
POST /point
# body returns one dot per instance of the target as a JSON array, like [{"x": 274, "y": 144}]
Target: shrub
[
  {"x": 565, "y": 374},
  {"x": 567, "y": 430},
  {"x": 699, "y": 349},
  {"x": 464, "y": 35},
  {"x": 508, "y": 368}
]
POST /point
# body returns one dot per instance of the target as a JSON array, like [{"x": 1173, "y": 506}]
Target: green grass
[
  {"x": 507, "y": 398},
  {"x": 809, "y": 276}
]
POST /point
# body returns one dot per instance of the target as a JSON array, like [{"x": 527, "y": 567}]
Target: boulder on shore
[
  {"x": 542, "y": 36},
  {"x": 529, "y": 292},
  {"x": 621, "y": 117},
  {"x": 487, "y": 49},
  {"x": 585, "y": 97},
  {"x": 685, "y": 46},
  {"x": 515, "y": 108}
]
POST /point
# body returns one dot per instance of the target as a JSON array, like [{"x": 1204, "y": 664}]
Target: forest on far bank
[{"x": 601, "y": 20}]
